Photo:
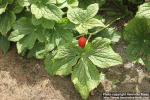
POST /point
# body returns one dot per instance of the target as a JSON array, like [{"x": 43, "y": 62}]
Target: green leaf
[
  {"x": 50, "y": 12},
  {"x": 4, "y": 44},
  {"x": 137, "y": 29},
  {"x": 48, "y": 24},
  {"x": 61, "y": 63},
  {"x": 78, "y": 15},
  {"x": 110, "y": 33},
  {"x": 67, "y": 3},
  {"x": 17, "y": 8},
  {"x": 85, "y": 77},
  {"x": 3, "y": 8},
  {"x": 146, "y": 60},
  {"x": 73, "y": 3},
  {"x": 27, "y": 42},
  {"x": 4, "y": 4},
  {"x": 9, "y": 1},
  {"x": 69, "y": 58},
  {"x": 84, "y": 27},
  {"x": 102, "y": 55},
  {"x": 84, "y": 18},
  {"x": 65, "y": 24},
  {"x": 92, "y": 10},
  {"x": 59, "y": 35},
  {"x": 144, "y": 10},
  {"x": 36, "y": 51},
  {"x": 6, "y": 21},
  {"x": 26, "y": 34},
  {"x": 24, "y": 2},
  {"x": 135, "y": 51},
  {"x": 22, "y": 27},
  {"x": 137, "y": 33}
]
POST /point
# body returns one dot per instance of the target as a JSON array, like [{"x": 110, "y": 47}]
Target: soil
[{"x": 26, "y": 79}]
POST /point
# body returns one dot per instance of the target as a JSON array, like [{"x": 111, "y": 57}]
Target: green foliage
[
  {"x": 47, "y": 11},
  {"x": 81, "y": 63},
  {"x": 110, "y": 33},
  {"x": 7, "y": 19},
  {"x": 83, "y": 19},
  {"x": 137, "y": 34},
  {"x": 4, "y": 44},
  {"x": 144, "y": 10},
  {"x": 4, "y": 4},
  {"x": 26, "y": 34},
  {"x": 6, "y": 22},
  {"x": 49, "y": 29}
]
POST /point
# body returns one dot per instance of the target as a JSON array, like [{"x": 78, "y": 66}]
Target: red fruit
[{"x": 82, "y": 42}]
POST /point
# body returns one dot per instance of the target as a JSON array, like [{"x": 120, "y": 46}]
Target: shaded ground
[{"x": 26, "y": 79}]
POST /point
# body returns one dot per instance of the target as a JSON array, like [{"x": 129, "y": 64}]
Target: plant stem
[
  {"x": 80, "y": 35},
  {"x": 88, "y": 38},
  {"x": 101, "y": 28},
  {"x": 104, "y": 28}
]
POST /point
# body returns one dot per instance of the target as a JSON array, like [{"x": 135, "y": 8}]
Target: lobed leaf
[
  {"x": 144, "y": 10},
  {"x": 50, "y": 12},
  {"x": 6, "y": 22},
  {"x": 83, "y": 19},
  {"x": 85, "y": 77}
]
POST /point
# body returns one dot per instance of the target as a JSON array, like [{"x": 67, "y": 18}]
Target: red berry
[{"x": 82, "y": 42}]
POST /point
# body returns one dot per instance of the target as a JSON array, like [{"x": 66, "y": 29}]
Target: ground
[{"x": 26, "y": 79}]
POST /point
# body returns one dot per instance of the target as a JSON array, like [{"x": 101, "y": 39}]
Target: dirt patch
[{"x": 26, "y": 79}]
